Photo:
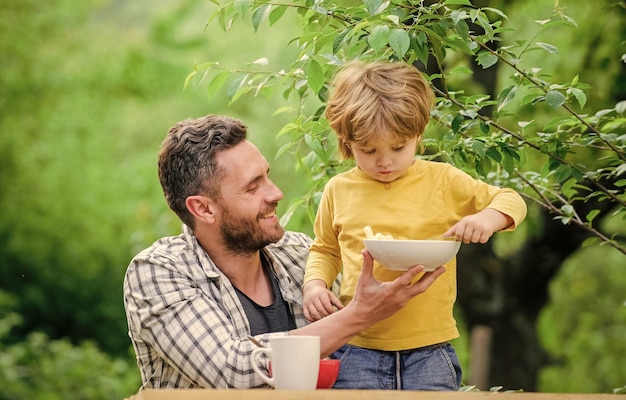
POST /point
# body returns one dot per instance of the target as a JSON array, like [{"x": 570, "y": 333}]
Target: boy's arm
[
  {"x": 319, "y": 301},
  {"x": 479, "y": 227}
]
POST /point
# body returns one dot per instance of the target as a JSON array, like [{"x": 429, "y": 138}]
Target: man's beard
[{"x": 244, "y": 235}]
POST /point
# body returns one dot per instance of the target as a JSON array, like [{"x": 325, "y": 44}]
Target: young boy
[{"x": 379, "y": 112}]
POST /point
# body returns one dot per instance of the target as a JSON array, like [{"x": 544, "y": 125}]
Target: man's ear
[{"x": 201, "y": 207}]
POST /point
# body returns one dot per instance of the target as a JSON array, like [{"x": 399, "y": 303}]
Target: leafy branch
[{"x": 567, "y": 153}]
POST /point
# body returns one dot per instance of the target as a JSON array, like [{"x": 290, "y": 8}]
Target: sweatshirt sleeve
[
  {"x": 510, "y": 203},
  {"x": 469, "y": 196},
  {"x": 324, "y": 261}
]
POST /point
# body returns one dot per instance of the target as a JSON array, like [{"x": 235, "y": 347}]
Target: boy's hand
[
  {"x": 479, "y": 227},
  {"x": 318, "y": 301}
]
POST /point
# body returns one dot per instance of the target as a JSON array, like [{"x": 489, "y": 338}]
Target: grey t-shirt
[{"x": 273, "y": 318}]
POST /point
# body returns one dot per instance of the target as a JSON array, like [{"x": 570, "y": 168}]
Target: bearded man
[{"x": 193, "y": 300}]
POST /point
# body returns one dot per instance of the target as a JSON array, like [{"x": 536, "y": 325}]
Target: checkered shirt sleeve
[{"x": 185, "y": 321}]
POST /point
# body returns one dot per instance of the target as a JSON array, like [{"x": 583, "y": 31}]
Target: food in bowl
[{"x": 403, "y": 254}]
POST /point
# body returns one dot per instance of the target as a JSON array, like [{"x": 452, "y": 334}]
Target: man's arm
[
  {"x": 373, "y": 301},
  {"x": 183, "y": 335}
]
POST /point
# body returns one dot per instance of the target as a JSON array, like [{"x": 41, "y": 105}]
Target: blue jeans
[{"x": 428, "y": 368}]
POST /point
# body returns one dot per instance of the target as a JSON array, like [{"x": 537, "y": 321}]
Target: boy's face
[{"x": 385, "y": 162}]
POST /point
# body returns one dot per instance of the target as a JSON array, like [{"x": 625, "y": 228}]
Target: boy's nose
[{"x": 384, "y": 162}]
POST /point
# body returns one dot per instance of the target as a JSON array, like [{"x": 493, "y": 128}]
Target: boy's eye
[{"x": 399, "y": 148}]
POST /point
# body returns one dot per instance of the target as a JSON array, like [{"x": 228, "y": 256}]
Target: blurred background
[{"x": 87, "y": 92}]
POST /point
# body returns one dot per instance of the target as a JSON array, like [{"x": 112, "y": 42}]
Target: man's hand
[
  {"x": 373, "y": 301},
  {"x": 378, "y": 300}
]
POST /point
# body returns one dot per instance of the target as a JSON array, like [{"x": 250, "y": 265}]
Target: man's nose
[{"x": 273, "y": 192}]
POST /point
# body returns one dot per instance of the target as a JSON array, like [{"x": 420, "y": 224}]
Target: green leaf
[
  {"x": 457, "y": 15},
  {"x": 548, "y": 47},
  {"x": 553, "y": 164},
  {"x": 458, "y": 3},
  {"x": 484, "y": 128},
  {"x": 476, "y": 99},
  {"x": 463, "y": 31},
  {"x": 375, "y": 7},
  {"x": 538, "y": 99},
  {"x": 469, "y": 113},
  {"x": 456, "y": 42},
  {"x": 479, "y": 148},
  {"x": 592, "y": 241},
  {"x": 461, "y": 69},
  {"x": 338, "y": 41},
  {"x": 399, "y": 41},
  {"x": 506, "y": 96},
  {"x": 568, "y": 210},
  {"x": 189, "y": 78},
  {"x": 508, "y": 164},
  {"x": 217, "y": 82},
  {"x": 420, "y": 46},
  {"x": 568, "y": 187},
  {"x": 456, "y": 123},
  {"x": 234, "y": 89},
  {"x": 277, "y": 14},
  {"x": 603, "y": 112},
  {"x": 486, "y": 59},
  {"x": 592, "y": 214},
  {"x": 394, "y": 19},
  {"x": 579, "y": 95},
  {"x": 494, "y": 154},
  {"x": 379, "y": 37},
  {"x": 563, "y": 172},
  {"x": 315, "y": 76},
  {"x": 242, "y": 6},
  {"x": 495, "y": 11},
  {"x": 555, "y": 98},
  {"x": 259, "y": 15}
]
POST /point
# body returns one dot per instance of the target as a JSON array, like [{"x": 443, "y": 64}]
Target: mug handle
[{"x": 256, "y": 353}]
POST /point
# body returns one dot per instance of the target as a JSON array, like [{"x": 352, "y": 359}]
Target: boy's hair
[{"x": 378, "y": 101}]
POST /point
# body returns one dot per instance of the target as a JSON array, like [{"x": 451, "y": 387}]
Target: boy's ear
[
  {"x": 420, "y": 145},
  {"x": 201, "y": 207}
]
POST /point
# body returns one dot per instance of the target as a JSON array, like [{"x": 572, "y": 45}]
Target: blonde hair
[{"x": 378, "y": 101}]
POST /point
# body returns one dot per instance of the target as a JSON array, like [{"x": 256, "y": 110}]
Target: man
[{"x": 192, "y": 300}]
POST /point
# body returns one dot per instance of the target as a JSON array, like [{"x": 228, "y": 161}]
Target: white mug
[{"x": 295, "y": 362}]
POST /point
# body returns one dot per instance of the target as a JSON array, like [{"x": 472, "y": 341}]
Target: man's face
[{"x": 248, "y": 200}]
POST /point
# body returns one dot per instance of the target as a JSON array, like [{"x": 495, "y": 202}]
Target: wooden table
[{"x": 269, "y": 394}]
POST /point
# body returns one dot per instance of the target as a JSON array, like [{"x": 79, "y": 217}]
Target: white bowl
[{"x": 403, "y": 254}]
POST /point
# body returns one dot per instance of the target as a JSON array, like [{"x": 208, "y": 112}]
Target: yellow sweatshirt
[{"x": 422, "y": 204}]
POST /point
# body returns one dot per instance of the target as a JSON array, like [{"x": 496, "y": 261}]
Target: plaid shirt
[{"x": 185, "y": 320}]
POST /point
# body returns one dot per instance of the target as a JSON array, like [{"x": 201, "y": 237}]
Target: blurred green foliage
[
  {"x": 76, "y": 112},
  {"x": 87, "y": 92},
  {"x": 38, "y": 367},
  {"x": 583, "y": 327},
  {"x": 556, "y": 134}
]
